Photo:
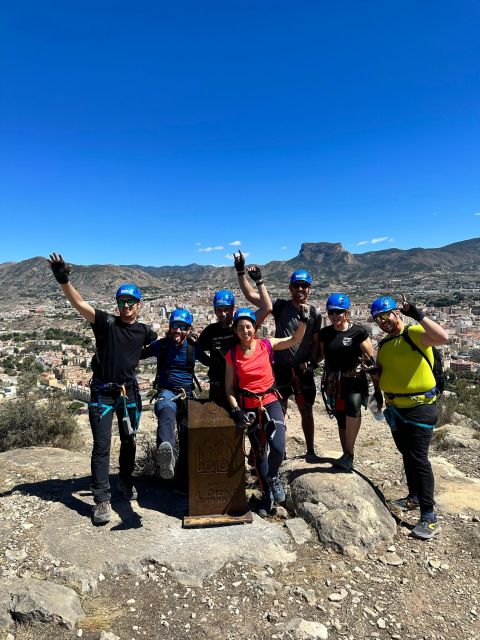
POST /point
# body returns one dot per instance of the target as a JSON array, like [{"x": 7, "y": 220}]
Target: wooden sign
[{"x": 216, "y": 468}]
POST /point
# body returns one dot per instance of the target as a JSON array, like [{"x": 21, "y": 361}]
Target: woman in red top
[{"x": 249, "y": 385}]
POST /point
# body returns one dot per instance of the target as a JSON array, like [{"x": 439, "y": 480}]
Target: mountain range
[{"x": 30, "y": 280}]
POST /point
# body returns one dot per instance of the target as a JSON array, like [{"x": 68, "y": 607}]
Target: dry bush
[{"x": 28, "y": 422}]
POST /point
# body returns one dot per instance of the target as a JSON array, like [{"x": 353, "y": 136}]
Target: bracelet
[
  {"x": 259, "y": 283},
  {"x": 240, "y": 273}
]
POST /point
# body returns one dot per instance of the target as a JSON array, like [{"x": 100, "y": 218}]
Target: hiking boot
[
  {"x": 166, "y": 460},
  {"x": 128, "y": 490},
  {"x": 278, "y": 491},
  {"x": 265, "y": 506},
  {"x": 102, "y": 513},
  {"x": 345, "y": 463},
  {"x": 426, "y": 528},
  {"x": 405, "y": 504}
]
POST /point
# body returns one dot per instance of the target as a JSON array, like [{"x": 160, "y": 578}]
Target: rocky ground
[{"x": 147, "y": 577}]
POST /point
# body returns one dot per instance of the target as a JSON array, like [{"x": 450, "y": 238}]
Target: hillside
[{"x": 454, "y": 264}]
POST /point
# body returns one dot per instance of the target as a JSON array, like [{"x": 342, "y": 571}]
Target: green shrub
[{"x": 26, "y": 422}]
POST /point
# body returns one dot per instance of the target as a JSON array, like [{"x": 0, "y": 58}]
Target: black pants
[
  {"x": 103, "y": 404},
  {"x": 413, "y": 442}
]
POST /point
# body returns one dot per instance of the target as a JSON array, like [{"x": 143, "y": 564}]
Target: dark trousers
[
  {"x": 268, "y": 459},
  {"x": 413, "y": 443},
  {"x": 171, "y": 416},
  {"x": 103, "y": 404}
]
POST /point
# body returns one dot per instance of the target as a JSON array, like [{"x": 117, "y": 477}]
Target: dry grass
[{"x": 100, "y": 614}]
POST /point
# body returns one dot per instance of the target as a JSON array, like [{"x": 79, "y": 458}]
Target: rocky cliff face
[{"x": 325, "y": 252}]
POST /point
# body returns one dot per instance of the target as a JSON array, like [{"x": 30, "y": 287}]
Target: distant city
[{"x": 66, "y": 366}]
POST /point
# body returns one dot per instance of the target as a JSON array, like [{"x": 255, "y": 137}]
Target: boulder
[
  {"x": 32, "y": 600},
  {"x": 346, "y": 511}
]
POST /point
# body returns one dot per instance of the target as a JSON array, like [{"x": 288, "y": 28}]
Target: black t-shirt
[
  {"x": 287, "y": 318},
  {"x": 118, "y": 347},
  {"x": 217, "y": 340},
  {"x": 342, "y": 348}
]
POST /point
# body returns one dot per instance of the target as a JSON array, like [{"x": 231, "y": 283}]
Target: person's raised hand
[
  {"x": 410, "y": 310},
  {"x": 239, "y": 263},
  {"x": 255, "y": 274},
  {"x": 59, "y": 268}
]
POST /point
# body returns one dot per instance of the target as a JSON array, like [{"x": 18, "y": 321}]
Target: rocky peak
[{"x": 331, "y": 252}]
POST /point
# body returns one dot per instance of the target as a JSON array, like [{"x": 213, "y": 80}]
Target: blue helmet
[
  {"x": 245, "y": 312},
  {"x": 223, "y": 298},
  {"x": 301, "y": 275},
  {"x": 338, "y": 301},
  {"x": 380, "y": 305},
  {"x": 181, "y": 315},
  {"x": 129, "y": 289}
]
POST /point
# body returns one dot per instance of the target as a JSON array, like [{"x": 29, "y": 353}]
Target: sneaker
[
  {"x": 166, "y": 460},
  {"x": 426, "y": 528},
  {"x": 128, "y": 491},
  {"x": 278, "y": 491},
  {"x": 345, "y": 463},
  {"x": 102, "y": 513},
  {"x": 405, "y": 504}
]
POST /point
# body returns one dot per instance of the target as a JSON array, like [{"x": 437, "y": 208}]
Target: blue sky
[{"x": 170, "y": 133}]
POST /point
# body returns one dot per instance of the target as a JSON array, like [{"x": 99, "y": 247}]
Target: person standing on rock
[
  {"x": 295, "y": 366},
  {"x": 113, "y": 388},
  {"x": 409, "y": 387},
  {"x": 219, "y": 337},
  {"x": 345, "y": 346},
  {"x": 250, "y": 387}
]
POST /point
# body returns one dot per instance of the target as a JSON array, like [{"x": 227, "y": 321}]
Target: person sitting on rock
[
  {"x": 176, "y": 355},
  {"x": 405, "y": 362},
  {"x": 119, "y": 341}
]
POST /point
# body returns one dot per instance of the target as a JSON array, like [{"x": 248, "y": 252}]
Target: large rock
[
  {"x": 456, "y": 436},
  {"x": 347, "y": 513},
  {"x": 31, "y": 600},
  {"x": 302, "y": 629}
]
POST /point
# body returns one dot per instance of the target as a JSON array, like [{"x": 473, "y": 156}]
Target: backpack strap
[{"x": 411, "y": 343}]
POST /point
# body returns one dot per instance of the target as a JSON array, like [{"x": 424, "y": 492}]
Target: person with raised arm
[{"x": 119, "y": 340}]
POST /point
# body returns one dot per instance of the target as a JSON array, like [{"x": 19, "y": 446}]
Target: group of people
[{"x": 253, "y": 380}]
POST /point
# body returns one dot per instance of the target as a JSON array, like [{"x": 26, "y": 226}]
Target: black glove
[
  {"x": 377, "y": 394},
  {"x": 304, "y": 313},
  {"x": 255, "y": 274},
  {"x": 60, "y": 270},
  {"x": 410, "y": 310},
  {"x": 239, "y": 416},
  {"x": 239, "y": 262}
]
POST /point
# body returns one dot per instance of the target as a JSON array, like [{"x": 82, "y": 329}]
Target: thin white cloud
[
  {"x": 230, "y": 255},
  {"x": 235, "y": 243},
  {"x": 377, "y": 240},
  {"x": 359, "y": 244},
  {"x": 477, "y": 214},
  {"x": 391, "y": 240},
  {"x": 198, "y": 244},
  {"x": 208, "y": 249},
  {"x": 283, "y": 248}
]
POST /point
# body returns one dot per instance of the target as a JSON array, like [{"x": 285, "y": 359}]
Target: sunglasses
[
  {"x": 382, "y": 317},
  {"x": 335, "y": 312},
  {"x": 131, "y": 303},
  {"x": 180, "y": 325},
  {"x": 300, "y": 285}
]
